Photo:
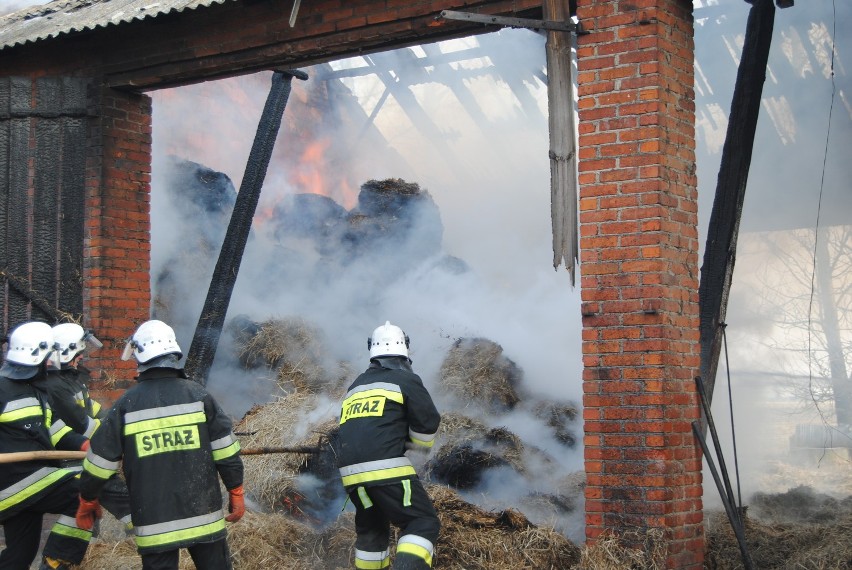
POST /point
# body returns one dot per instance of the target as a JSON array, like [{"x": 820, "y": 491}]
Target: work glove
[
  {"x": 236, "y": 504},
  {"x": 85, "y": 446},
  {"x": 87, "y": 513}
]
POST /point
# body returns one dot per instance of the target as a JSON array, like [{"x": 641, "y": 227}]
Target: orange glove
[
  {"x": 236, "y": 504},
  {"x": 87, "y": 513},
  {"x": 85, "y": 446}
]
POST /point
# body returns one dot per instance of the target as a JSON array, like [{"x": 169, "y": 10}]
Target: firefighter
[
  {"x": 387, "y": 411},
  {"x": 29, "y": 489},
  {"x": 175, "y": 443},
  {"x": 67, "y": 391}
]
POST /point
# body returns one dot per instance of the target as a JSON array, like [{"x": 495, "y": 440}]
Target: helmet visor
[
  {"x": 127, "y": 354},
  {"x": 53, "y": 356},
  {"x": 92, "y": 342}
]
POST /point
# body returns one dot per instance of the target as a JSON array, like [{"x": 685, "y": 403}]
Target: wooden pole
[
  {"x": 720, "y": 251},
  {"x": 563, "y": 152}
]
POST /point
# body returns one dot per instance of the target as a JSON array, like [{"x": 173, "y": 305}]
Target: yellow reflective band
[
  {"x": 377, "y": 475},
  {"x": 395, "y": 396},
  {"x": 20, "y": 414},
  {"x": 166, "y": 440},
  {"x": 163, "y": 423},
  {"x": 372, "y": 564},
  {"x": 96, "y": 407},
  {"x": 226, "y": 452},
  {"x": 421, "y": 443},
  {"x": 365, "y": 498},
  {"x": 415, "y": 550},
  {"x": 96, "y": 471},
  {"x": 43, "y": 483},
  {"x": 406, "y": 493},
  {"x": 56, "y": 437},
  {"x": 72, "y": 532},
  {"x": 180, "y": 535}
]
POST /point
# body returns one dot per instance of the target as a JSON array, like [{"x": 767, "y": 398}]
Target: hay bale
[
  {"x": 475, "y": 370},
  {"x": 297, "y": 350},
  {"x": 559, "y": 417},
  {"x": 475, "y": 539},
  {"x": 271, "y": 480},
  {"x": 461, "y": 466},
  {"x": 395, "y": 220}
]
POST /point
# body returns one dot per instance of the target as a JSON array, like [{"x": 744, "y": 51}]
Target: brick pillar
[
  {"x": 639, "y": 255},
  {"x": 116, "y": 266}
]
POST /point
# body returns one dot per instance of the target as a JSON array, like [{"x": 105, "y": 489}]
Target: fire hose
[{"x": 52, "y": 455}]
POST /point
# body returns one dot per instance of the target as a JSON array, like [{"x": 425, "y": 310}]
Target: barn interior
[{"x": 461, "y": 125}]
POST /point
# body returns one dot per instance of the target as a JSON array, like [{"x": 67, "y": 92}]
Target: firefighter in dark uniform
[
  {"x": 67, "y": 391},
  {"x": 30, "y": 489},
  {"x": 387, "y": 411},
  {"x": 175, "y": 443}
]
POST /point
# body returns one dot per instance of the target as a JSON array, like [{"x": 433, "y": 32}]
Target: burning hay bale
[
  {"x": 272, "y": 480},
  {"x": 310, "y": 216},
  {"x": 393, "y": 217},
  {"x": 295, "y": 349},
  {"x": 462, "y": 466},
  {"x": 467, "y": 448},
  {"x": 476, "y": 370},
  {"x": 203, "y": 199},
  {"x": 475, "y": 539}
]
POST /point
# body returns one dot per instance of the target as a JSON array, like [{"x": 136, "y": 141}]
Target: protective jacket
[
  {"x": 67, "y": 390},
  {"x": 26, "y": 425},
  {"x": 386, "y": 410},
  {"x": 174, "y": 440}
]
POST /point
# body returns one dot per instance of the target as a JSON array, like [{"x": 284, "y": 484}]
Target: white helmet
[
  {"x": 72, "y": 340},
  {"x": 388, "y": 340},
  {"x": 152, "y": 339},
  {"x": 30, "y": 345}
]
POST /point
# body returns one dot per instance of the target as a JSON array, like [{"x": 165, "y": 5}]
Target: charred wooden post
[
  {"x": 212, "y": 318},
  {"x": 720, "y": 252}
]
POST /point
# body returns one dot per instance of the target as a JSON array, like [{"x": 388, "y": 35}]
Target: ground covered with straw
[{"x": 299, "y": 519}]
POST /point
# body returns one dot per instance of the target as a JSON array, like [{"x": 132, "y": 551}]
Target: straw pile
[
  {"x": 476, "y": 370},
  {"x": 273, "y": 479},
  {"x": 296, "y": 350}
]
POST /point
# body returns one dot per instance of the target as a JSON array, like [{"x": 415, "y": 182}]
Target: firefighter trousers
[
  {"x": 404, "y": 504},
  {"x": 207, "y": 555},
  {"x": 22, "y": 530}
]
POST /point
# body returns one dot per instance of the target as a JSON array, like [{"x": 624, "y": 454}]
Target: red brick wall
[
  {"x": 639, "y": 256},
  {"x": 117, "y": 296}
]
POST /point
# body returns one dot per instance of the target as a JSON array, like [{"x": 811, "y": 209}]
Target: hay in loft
[{"x": 476, "y": 370}]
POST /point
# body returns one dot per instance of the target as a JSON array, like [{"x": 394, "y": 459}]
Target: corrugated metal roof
[{"x": 68, "y": 16}]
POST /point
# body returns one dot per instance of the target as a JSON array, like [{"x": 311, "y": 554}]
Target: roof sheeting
[{"x": 62, "y": 17}]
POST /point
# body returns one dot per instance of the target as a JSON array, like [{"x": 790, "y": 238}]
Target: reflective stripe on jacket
[
  {"x": 25, "y": 425},
  {"x": 175, "y": 443},
  {"x": 386, "y": 410}
]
